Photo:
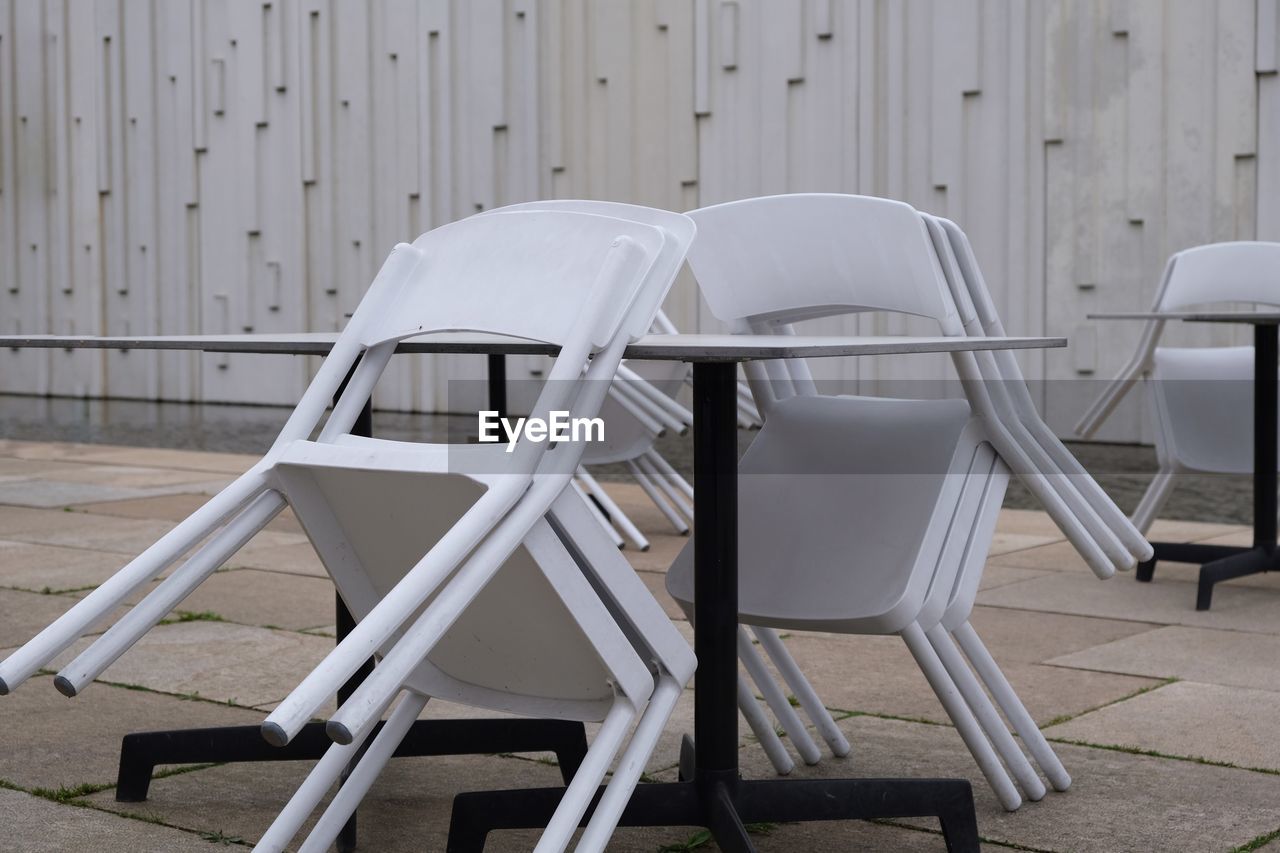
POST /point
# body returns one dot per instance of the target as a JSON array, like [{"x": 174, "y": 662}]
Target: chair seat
[
  {"x": 372, "y": 508},
  {"x": 859, "y": 479},
  {"x": 1204, "y": 399}
]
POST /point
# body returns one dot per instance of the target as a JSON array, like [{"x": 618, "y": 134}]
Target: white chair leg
[
  {"x": 672, "y": 495},
  {"x": 763, "y": 730},
  {"x": 37, "y": 652},
  {"x": 803, "y": 690},
  {"x": 309, "y": 794},
  {"x": 961, "y": 717},
  {"x": 626, "y": 774},
  {"x": 577, "y": 797},
  {"x": 665, "y": 468},
  {"x": 658, "y": 500},
  {"x": 619, "y": 517},
  {"x": 598, "y": 515},
  {"x": 1012, "y": 706},
  {"x": 1152, "y": 500},
  {"x": 130, "y": 628},
  {"x": 776, "y": 700},
  {"x": 364, "y": 774},
  {"x": 986, "y": 713}
]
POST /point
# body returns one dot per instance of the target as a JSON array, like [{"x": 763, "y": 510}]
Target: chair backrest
[
  {"x": 1222, "y": 272},
  {"x": 530, "y": 274},
  {"x": 793, "y": 257}
]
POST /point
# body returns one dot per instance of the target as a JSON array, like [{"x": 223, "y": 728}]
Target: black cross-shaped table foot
[
  {"x": 727, "y": 805},
  {"x": 1223, "y": 562}
]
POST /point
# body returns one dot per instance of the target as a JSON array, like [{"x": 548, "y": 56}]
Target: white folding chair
[
  {"x": 1198, "y": 394},
  {"x": 629, "y": 439},
  {"x": 968, "y": 285},
  {"x": 476, "y": 573},
  {"x": 836, "y": 532}
]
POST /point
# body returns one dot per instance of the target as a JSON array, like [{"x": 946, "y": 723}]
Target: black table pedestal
[
  {"x": 1223, "y": 562},
  {"x": 716, "y": 797}
]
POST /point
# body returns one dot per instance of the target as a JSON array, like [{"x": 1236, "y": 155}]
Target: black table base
[
  {"x": 727, "y": 806},
  {"x": 141, "y": 753},
  {"x": 1223, "y": 562},
  {"x": 711, "y": 793}
]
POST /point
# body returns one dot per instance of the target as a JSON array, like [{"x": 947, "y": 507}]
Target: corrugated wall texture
[{"x": 173, "y": 166}]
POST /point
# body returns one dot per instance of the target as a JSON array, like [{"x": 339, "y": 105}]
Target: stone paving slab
[
  {"x": 23, "y": 469},
  {"x": 36, "y": 825},
  {"x": 1027, "y": 522},
  {"x": 218, "y": 661},
  {"x": 1033, "y": 637},
  {"x": 1057, "y": 557},
  {"x": 408, "y": 808},
  {"x": 994, "y": 576},
  {"x": 68, "y": 450},
  {"x": 175, "y": 508},
  {"x": 193, "y": 460},
  {"x": 266, "y": 599},
  {"x": 1171, "y": 530},
  {"x": 1236, "y": 725},
  {"x": 80, "y": 530},
  {"x": 662, "y": 553},
  {"x": 878, "y": 675},
  {"x": 25, "y": 614},
  {"x": 657, "y": 584},
  {"x": 1163, "y": 601},
  {"x": 53, "y": 493},
  {"x": 1117, "y": 801},
  {"x": 1005, "y": 543},
  {"x": 129, "y": 476},
  {"x": 1232, "y": 658},
  {"x": 39, "y": 567},
  {"x": 50, "y": 741},
  {"x": 298, "y": 559}
]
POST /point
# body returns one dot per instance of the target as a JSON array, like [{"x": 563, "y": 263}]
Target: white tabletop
[
  {"x": 703, "y": 348},
  {"x": 1268, "y": 318}
]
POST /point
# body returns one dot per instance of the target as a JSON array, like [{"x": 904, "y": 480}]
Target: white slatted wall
[{"x": 173, "y": 166}]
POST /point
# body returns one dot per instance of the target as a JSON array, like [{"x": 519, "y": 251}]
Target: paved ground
[{"x": 1165, "y": 717}]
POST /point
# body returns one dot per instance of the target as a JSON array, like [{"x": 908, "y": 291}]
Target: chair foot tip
[
  {"x": 338, "y": 733},
  {"x": 65, "y": 687},
  {"x": 274, "y": 734}
]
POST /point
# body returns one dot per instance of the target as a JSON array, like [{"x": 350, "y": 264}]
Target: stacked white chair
[
  {"x": 881, "y": 496},
  {"x": 1001, "y": 405},
  {"x": 477, "y": 575},
  {"x": 1197, "y": 393}
]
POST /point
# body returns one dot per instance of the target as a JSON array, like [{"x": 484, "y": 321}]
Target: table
[
  {"x": 710, "y": 792},
  {"x": 1223, "y": 562}
]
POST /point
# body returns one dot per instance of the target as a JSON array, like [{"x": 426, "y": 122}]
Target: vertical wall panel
[{"x": 246, "y": 165}]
